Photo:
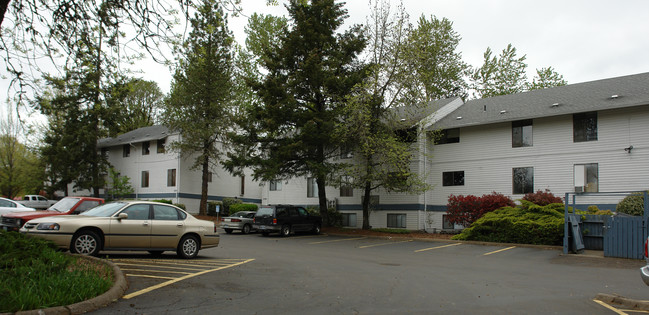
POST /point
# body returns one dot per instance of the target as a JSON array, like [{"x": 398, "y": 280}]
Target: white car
[{"x": 8, "y": 206}]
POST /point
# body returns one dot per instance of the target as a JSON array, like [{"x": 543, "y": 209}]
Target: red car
[{"x": 68, "y": 205}]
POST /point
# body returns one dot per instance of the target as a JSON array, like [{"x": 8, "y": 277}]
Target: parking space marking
[
  {"x": 438, "y": 247},
  {"x": 154, "y": 271},
  {"x": 382, "y": 244},
  {"x": 339, "y": 240},
  {"x": 296, "y": 237},
  {"x": 498, "y": 251},
  {"x": 212, "y": 265},
  {"x": 615, "y": 310}
]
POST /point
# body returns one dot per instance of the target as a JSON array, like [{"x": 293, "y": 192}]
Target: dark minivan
[{"x": 286, "y": 219}]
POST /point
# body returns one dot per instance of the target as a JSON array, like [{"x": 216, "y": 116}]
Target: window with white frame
[
  {"x": 145, "y": 179},
  {"x": 346, "y": 188},
  {"x": 311, "y": 187},
  {"x": 446, "y": 224},
  {"x": 522, "y": 133},
  {"x": 275, "y": 185},
  {"x": 587, "y": 177},
  {"x": 584, "y": 127},
  {"x": 126, "y": 150},
  {"x": 349, "y": 219},
  {"x": 171, "y": 177},
  {"x": 397, "y": 221},
  {"x": 145, "y": 147}
]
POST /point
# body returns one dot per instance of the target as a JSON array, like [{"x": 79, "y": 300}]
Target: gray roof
[
  {"x": 620, "y": 92},
  {"x": 410, "y": 116},
  {"x": 139, "y": 135}
]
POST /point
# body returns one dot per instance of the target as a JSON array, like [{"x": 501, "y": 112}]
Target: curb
[
  {"x": 620, "y": 300},
  {"x": 113, "y": 294}
]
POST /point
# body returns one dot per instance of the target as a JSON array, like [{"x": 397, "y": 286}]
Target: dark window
[
  {"x": 243, "y": 185},
  {"x": 397, "y": 221},
  {"x": 349, "y": 219},
  {"x": 311, "y": 187},
  {"x": 453, "y": 178},
  {"x": 522, "y": 133},
  {"x": 126, "y": 150},
  {"x": 584, "y": 127},
  {"x": 407, "y": 135},
  {"x": 346, "y": 189},
  {"x": 137, "y": 212},
  {"x": 446, "y": 224},
  {"x": 448, "y": 136},
  {"x": 161, "y": 146},
  {"x": 145, "y": 148},
  {"x": 145, "y": 178},
  {"x": 171, "y": 177},
  {"x": 523, "y": 180}
]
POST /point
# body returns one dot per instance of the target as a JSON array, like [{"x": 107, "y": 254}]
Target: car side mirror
[{"x": 122, "y": 216}]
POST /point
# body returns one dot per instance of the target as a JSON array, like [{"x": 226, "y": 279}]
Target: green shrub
[
  {"x": 334, "y": 217},
  {"x": 535, "y": 224},
  {"x": 227, "y": 202},
  {"x": 167, "y": 201},
  {"x": 181, "y": 206},
  {"x": 632, "y": 204},
  {"x": 243, "y": 207},
  {"x": 211, "y": 207}
]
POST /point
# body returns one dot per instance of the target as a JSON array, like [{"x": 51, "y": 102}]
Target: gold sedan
[{"x": 127, "y": 225}]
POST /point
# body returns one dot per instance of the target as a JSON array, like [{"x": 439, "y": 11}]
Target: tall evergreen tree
[
  {"x": 199, "y": 105},
  {"x": 308, "y": 75}
]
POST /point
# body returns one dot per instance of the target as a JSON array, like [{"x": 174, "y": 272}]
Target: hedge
[{"x": 243, "y": 207}]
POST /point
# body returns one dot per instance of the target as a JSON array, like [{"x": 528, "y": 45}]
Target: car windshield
[
  {"x": 64, "y": 205},
  {"x": 105, "y": 210},
  {"x": 265, "y": 211},
  {"x": 240, "y": 214}
]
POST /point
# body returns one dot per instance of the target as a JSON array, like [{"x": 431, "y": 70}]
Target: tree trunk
[
  {"x": 202, "y": 209},
  {"x": 4, "y": 4},
  {"x": 322, "y": 198},
  {"x": 366, "y": 206}
]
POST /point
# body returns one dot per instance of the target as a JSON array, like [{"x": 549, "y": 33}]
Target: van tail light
[
  {"x": 274, "y": 220},
  {"x": 215, "y": 228},
  {"x": 646, "y": 250}
]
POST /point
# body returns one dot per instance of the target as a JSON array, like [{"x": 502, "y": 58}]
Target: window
[
  {"x": 523, "y": 180},
  {"x": 349, "y": 219},
  {"x": 145, "y": 179},
  {"x": 126, "y": 150},
  {"x": 453, "y": 178},
  {"x": 587, "y": 176},
  {"x": 397, "y": 221},
  {"x": 243, "y": 185},
  {"x": 275, "y": 185},
  {"x": 86, "y": 205},
  {"x": 171, "y": 177},
  {"x": 145, "y": 148},
  {"x": 161, "y": 212},
  {"x": 161, "y": 146},
  {"x": 346, "y": 152},
  {"x": 446, "y": 224},
  {"x": 346, "y": 189},
  {"x": 407, "y": 135},
  {"x": 209, "y": 177},
  {"x": 311, "y": 187},
  {"x": 137, "y": 212},
  {"x": 522, "y": 133},
  {"x": 584, "y": 127},
  {"x": 7, "y": 204},
  {"x": 448, "y": 136}
]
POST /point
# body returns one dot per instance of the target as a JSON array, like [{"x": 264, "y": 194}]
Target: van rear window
[{"x": 265, "y": 211}]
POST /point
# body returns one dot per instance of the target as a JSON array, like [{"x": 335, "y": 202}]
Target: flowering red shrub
[
  {"x": 465, "y": 210},
  {"x": 542, "y": 198}
]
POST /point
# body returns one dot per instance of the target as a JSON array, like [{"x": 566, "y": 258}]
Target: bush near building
[
  {"x": 526, "y": 224},
  {"x": 542, "y": 198},
  {"x": 464, "y": 210},
  {"x": 243, "y": 207},
  {"x": 632, "y": 204}
]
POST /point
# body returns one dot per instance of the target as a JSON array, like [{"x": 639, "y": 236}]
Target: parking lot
[{"x": 251, "y": 274}]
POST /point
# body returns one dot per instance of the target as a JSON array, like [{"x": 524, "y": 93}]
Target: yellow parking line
[
  {"x": 498, "y": 251},
  {"x": 615, "y": 310},
  {"x": 340, "y": 240},
  {"x": 438, "y": 247},
  {"x": 147, "y": 270},
  {"x": 164, "y": 284},
  {"x": 161, "y": 266},
  {"x": 390, "y": 243},
  {"x": 149, "y": 276}
]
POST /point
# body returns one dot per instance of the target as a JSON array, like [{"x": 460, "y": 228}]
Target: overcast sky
[{"x": 583, "y": 40}]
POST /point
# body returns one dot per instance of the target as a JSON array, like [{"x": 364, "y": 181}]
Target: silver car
[{"x": 241, "y": 220}]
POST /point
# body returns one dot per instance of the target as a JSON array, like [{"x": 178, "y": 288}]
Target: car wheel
[
  {"x": 156, "y": 252},
  {"x": 86, "y": 243},
  {"x": 228, "y": 231},
  {"x": 245, "y": 229},
  {"x": 188, "y": 247},
  {"x": 285, "y": 231},
  {"x": 316, "y": 229}
]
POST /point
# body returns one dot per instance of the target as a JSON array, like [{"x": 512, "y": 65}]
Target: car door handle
[
  {"x": 145, "y": 223},
  {"x": 179, "y": 225}
]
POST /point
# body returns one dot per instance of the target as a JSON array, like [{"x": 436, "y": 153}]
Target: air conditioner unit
[{"x": 579, "y": 189}]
